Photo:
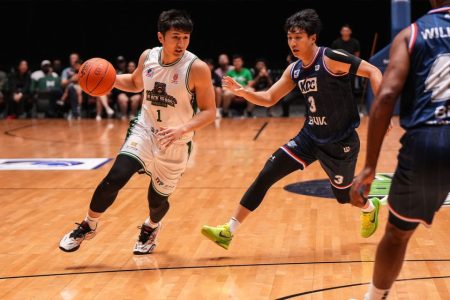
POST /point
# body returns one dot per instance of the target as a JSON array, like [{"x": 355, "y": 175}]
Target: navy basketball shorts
[
  {"x": 421, "y": 181},
  {"x": 337, "y": 159}
]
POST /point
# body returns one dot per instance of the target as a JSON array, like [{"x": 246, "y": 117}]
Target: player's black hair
[
  {"x": 307, "y": 20},
  {"x": 176, "y": 19}
]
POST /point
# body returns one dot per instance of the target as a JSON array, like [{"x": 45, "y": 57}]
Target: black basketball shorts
[
  {"x": 421, "y": 181},
  {"x": 337, "y": 159}
]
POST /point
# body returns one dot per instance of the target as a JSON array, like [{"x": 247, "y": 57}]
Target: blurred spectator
[
  {"x": 72, "y": 90},
  {"x": 217, "y": 83},
  {"x": 346, "y": 41},
  {"x": 121, "y": 68},
  {"x": 3, "y": 83},
  {"x": 224, "y": 65},
  {"x": 47, "y": 89},
  {"x": 69, "y": 72},
  {"x": 262, "y": 80},
  {"x": 38, "y": 74},
  {"x": 243, "y": 76},
  {"x": 57, "y": 66},
  {"x": 351, "y": 45},
  {"x": 102, "y": 102},
  {"x": 121, "y": 65},
  {"x": 129, "y": 101},
  {"x": 294, "y": 95},
  {"x": 19, "y": 100}
]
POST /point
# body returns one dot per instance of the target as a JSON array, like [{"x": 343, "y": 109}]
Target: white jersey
[{"x": 168, "y": 100}]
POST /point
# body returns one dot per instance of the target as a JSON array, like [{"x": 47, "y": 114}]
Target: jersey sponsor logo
[
  {"x": 174, "y": 78},
  {"x": 159, "y": 181},
  {"x": 308, "y": 85},
  {"x": 149, "y": 73},
  {"x": 320, "y": 121},
  {"x": 159, "y": 97},
  {"x": 347, "y": 149},
  {"x": 317, "y": 67},
  {"x": 438, "y": 81},
  {"x": 435, "y": 32}
]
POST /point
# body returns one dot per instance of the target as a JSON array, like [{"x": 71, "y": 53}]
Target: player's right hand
[
  {"x": 361, "y": 187},
  {"x": 231, "y": 85}
]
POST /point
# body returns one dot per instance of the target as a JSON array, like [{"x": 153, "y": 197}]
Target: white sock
[
  {"x": 150, "y": 224},
  {"x": 234, "y": 224},
  {"x": 376, "y": 293},
  {"x": 92, "y": 221},
  {"x": 369, "y": 206}
]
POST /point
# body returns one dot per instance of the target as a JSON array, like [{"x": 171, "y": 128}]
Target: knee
[
  {"x": 396, "y": 235},
  {"x": 265, "y": 177},
  {"x": 115, "y": 179}
]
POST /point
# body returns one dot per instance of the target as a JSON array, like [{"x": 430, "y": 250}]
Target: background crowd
[{"x": 52, "y": 91}]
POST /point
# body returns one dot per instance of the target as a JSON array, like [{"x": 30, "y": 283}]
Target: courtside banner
[{"x": 41, "y": 164}]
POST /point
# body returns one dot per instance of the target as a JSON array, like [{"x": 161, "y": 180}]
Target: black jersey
[{"x": 332, "y": 113}]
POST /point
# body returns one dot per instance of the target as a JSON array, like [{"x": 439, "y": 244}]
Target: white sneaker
[
  {"x": 146, "y": 242},
  {"x": 72, "y": 240},
  {"x": 98, "y": 118}
]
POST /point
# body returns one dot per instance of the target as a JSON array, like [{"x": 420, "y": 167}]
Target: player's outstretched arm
[
  {"x": 132, "y": 82},
  {"x": 264, "y": 98}
]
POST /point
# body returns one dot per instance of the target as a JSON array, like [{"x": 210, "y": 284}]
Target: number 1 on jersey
[{"x": 159, "y": 116}]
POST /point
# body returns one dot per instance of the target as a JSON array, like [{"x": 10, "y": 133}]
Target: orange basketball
[{"x": 96, "y": 76}]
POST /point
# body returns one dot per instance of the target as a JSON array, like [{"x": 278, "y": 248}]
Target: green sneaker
[
  {"x": 221, "y": 235},
  {"x": 369, "y": 220}
]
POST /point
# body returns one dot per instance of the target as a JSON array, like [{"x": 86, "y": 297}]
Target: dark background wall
[{"x": 37, "y": 30}]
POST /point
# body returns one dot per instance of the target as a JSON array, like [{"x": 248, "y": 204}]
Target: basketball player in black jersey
[
  {"x": 418, "y": 71},
  {"x": 328, "y": 134}
]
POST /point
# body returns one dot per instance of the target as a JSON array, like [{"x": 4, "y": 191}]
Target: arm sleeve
[{"x": 344, "y": 57}]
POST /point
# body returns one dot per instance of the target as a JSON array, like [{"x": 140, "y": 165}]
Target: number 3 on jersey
[
  {"x": 159, "y": 116},
  {"x": 312, "y": 104}
]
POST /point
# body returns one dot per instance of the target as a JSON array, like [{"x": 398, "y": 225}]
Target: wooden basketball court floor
[{"x": 291, "y": 247}]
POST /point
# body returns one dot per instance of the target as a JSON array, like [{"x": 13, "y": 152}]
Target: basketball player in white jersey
[{"x": 174, "y": 81}]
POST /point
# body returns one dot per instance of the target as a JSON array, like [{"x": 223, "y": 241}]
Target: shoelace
[
  {"x": 145, "y": 234},
  {"x": 80, "y": 231}
]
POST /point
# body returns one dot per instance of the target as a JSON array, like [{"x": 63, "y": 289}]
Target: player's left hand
[
  {"x": 167, "y": 136},
  {"x": 361, "y": 187},
  {"x": 232, "y": 85}
]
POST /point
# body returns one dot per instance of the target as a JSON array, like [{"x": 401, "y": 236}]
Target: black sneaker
[{"x": 72, "y": 240}]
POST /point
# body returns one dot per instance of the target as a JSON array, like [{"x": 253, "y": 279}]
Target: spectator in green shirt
[{"x": 244, "y": 77}]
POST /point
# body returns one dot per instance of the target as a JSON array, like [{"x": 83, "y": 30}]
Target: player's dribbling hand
[
  {"x": 167, "y": 136},
  {"x": 361, "y": 187},
  {"x": 231, "y": 85}
]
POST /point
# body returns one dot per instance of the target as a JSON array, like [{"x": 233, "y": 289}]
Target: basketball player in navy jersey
[
  {"x": 419, "y": 70},
  {"x": 328, "y": 135},
  {"x": 159, "y": 140}
]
